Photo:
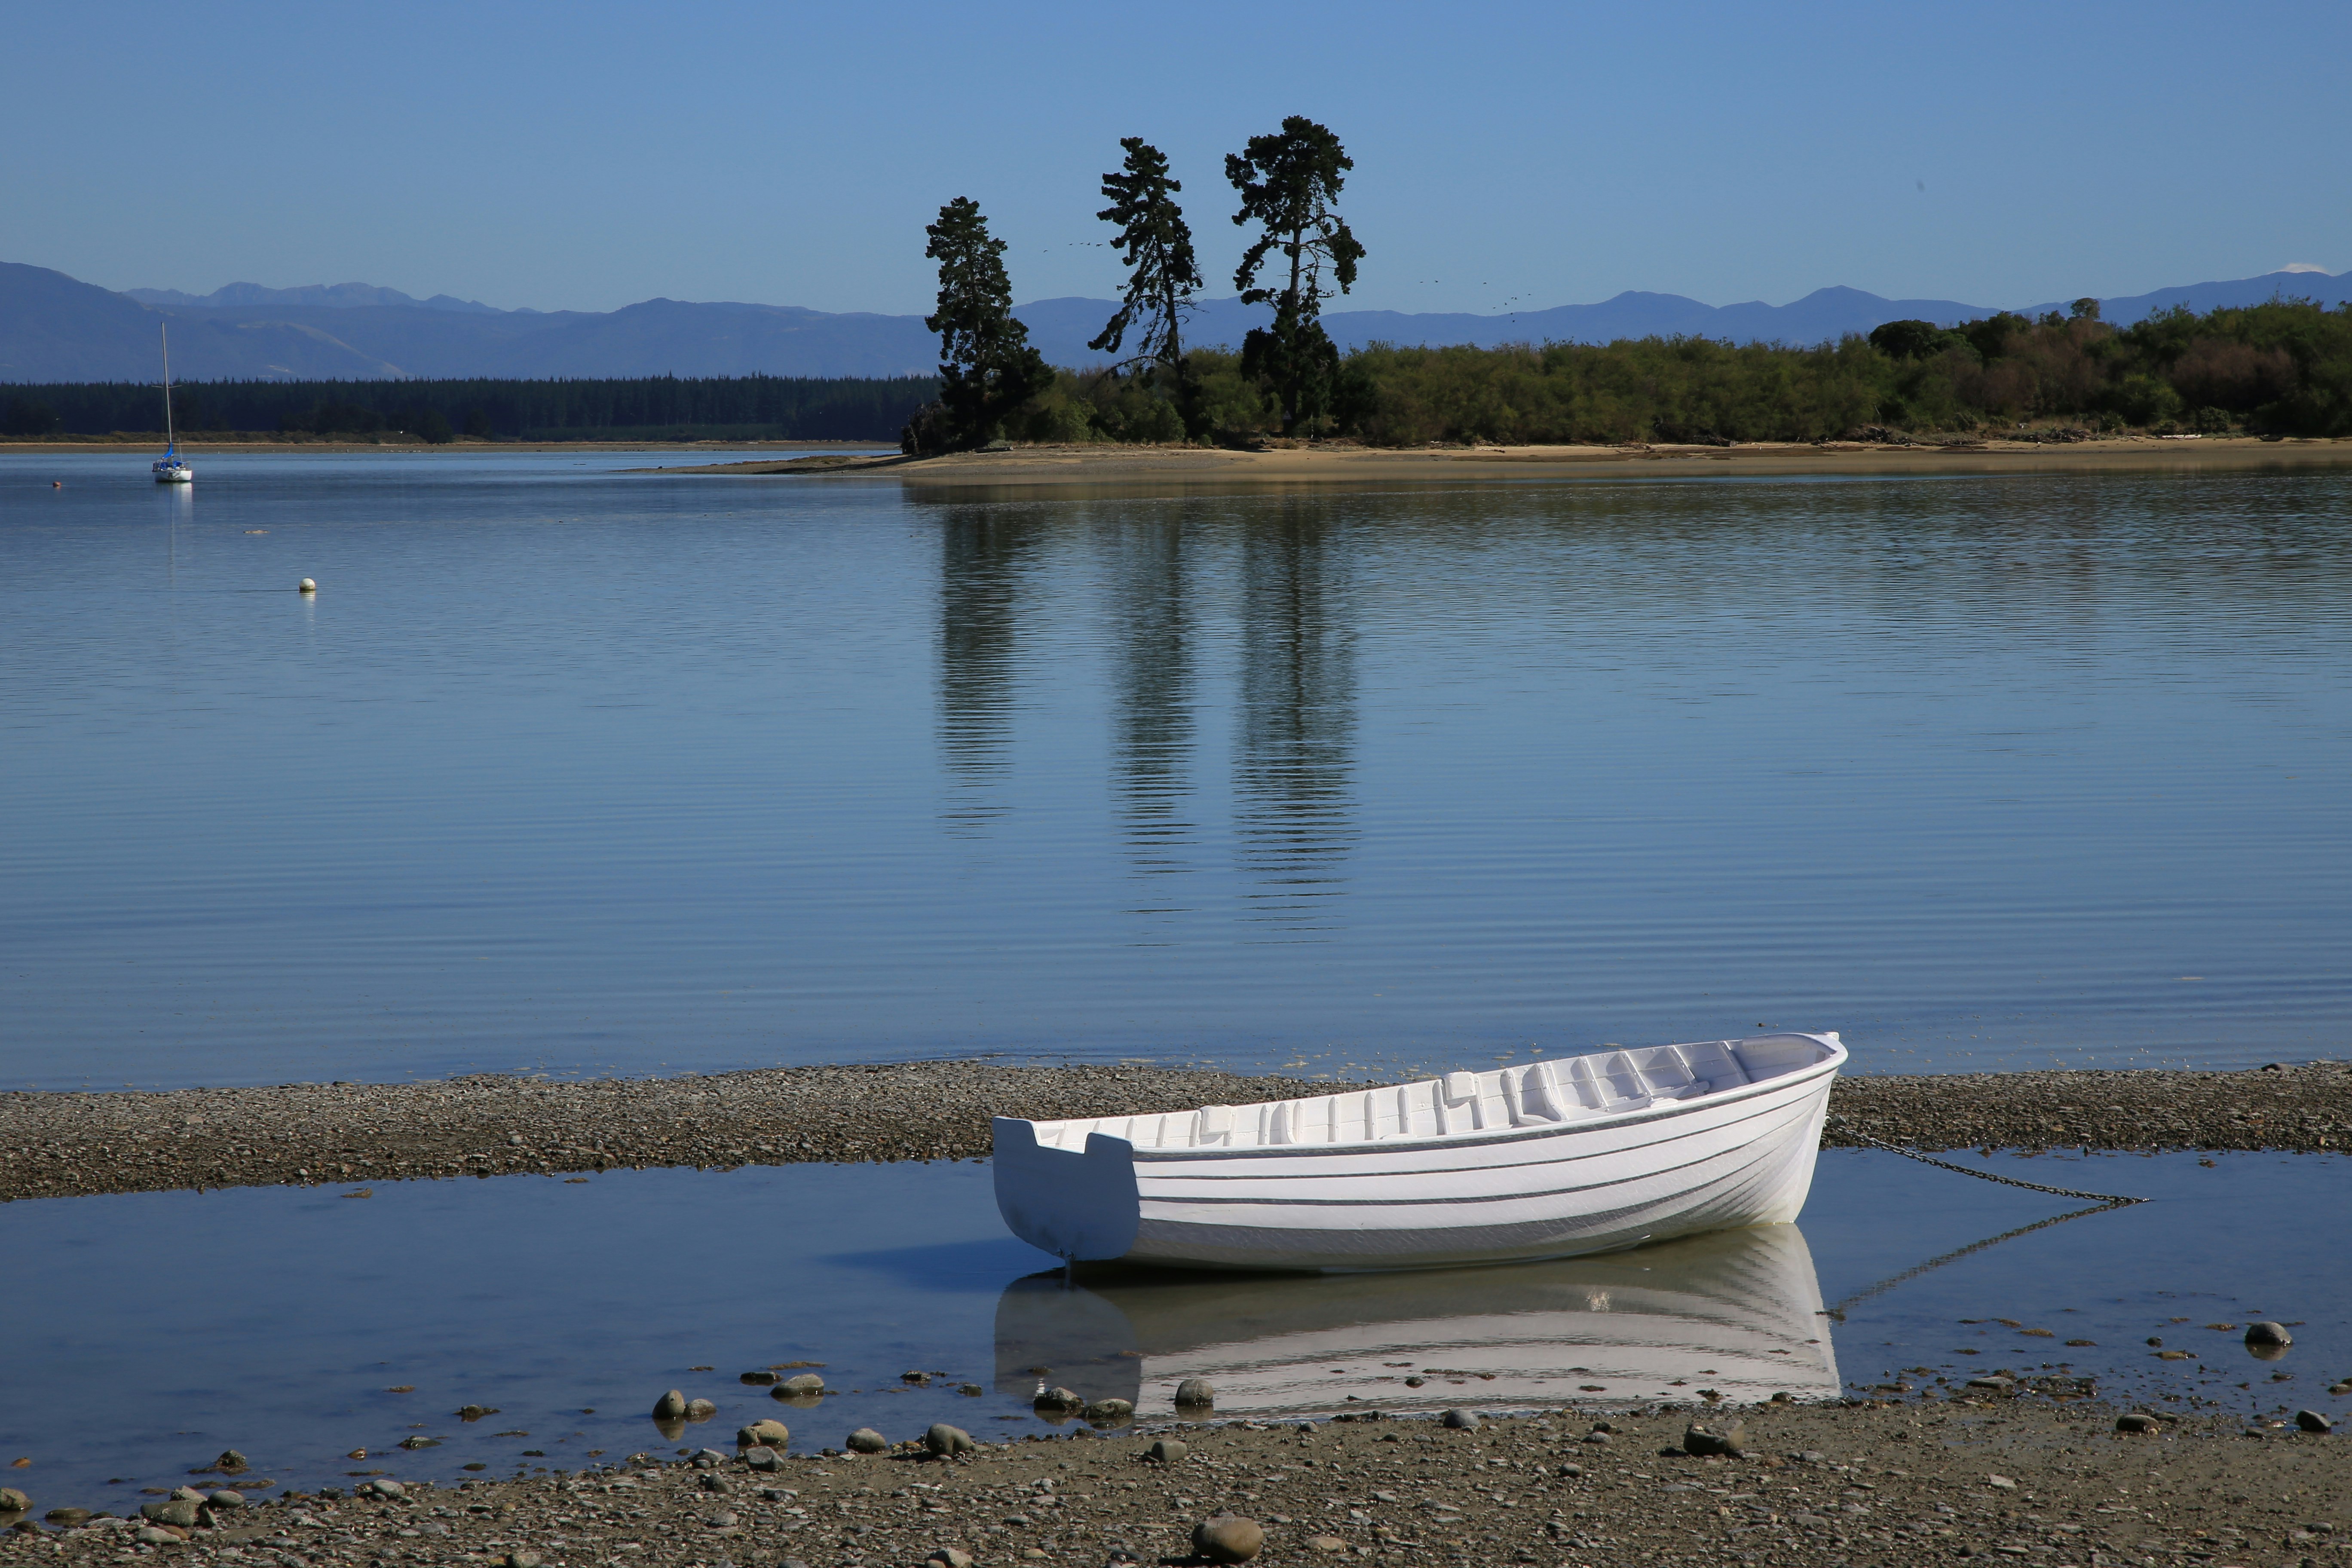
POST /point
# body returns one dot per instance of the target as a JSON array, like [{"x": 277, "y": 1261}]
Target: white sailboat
[
  {"x": 1597, "y": 1153},
  {"x": 171, "y": 471}
]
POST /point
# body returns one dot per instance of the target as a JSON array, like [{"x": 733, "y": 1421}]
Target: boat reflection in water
[{"x": 1736, "y": 1312}]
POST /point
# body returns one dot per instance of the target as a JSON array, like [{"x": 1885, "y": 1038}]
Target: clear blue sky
[{"x": 585, "y": 155}]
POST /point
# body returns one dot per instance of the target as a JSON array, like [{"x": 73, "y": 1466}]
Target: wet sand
[
  {"x": 1182, "y": 468},
  {"x": 1967, "y": 1477},
  {"x": 54, "y": 1145}
]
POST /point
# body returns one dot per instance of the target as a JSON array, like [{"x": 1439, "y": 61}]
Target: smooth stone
[
  {"x": 766, "y": 1459},
  {"x": 1057, "y": 1399},
  {"x": 865, "y": 1440},
  {"x": 1460, "y": 1420},
  {"x": 227, "y": 1499},
  {"x": 148, "y": 1535},
  {"x": 944, "y": 1440},
  {"x": 951, "y": 1557},
  {"x": 385, "y": 1488},
  {"x": 2313, "y": 1421},
  {"x": 2138, "y": 1421},
  {"x": 708, "y": 1459},
  {"x": 1228, "y": 1538},
  {"x": 1325, "y": 1543},
  {"x": 1596, "y": 1436},
  {"x": 187, "y": 1494},
  {"x": 670, "y": 1406},
  {"x": 177, "y": 1510},
  {"x": 723, "y": 1519},
  {"x": 522, "y": 1560},
  {"x": 1167, "y": 1451},
  {"x": 1571, "y": 1470},
  {"x": 1992, "y": 1385},
  {"x": 803, "y": 1385},
  {"x": 764, "y": 1434},
  {"x": 1108, "y": 1410},
  {"x": 2269, "y": 1334},
  {"x": 700, "y": 1410},
  {"x": 65, "y": 1516},
  {"x": 1699, "y": 1442},
  {"x": 14, "y": 1501},
  {"x": 1195, "y": 1391}
]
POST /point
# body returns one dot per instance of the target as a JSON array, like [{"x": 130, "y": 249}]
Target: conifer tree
[
  {"x": 1288, "y": 182},
  {"x": 1156, "y": 242},
  {"x": 987, "y": 365}
]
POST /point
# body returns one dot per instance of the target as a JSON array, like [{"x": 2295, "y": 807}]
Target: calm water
[
  {"x": 288, "y": 1317},
  {"x": 569, "y": 771}
]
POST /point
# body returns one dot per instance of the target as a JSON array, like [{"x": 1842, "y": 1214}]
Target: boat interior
[{"x": 1547, "y": 1093}]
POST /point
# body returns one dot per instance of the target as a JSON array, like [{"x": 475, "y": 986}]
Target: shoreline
[
  {"x": 1855, "y": 1482},
  {"x": 1187, "y": 467},
  {"x": 62, "y": 1144},
  {"x": 217, "y": 446}
]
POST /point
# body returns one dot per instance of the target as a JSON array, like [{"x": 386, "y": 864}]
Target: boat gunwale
[{"x": 1828, "y": 1064}]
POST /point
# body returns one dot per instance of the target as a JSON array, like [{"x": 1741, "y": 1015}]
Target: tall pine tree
[
  {"x": 987, "y": 367},
  {"x": 1288, "y": 182},
  {"x": 1157, "y": 245}
]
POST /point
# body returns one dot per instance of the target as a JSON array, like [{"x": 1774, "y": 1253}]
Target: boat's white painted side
[
  {"x": 174, "y": 474},
  {"x": 1594, "y": 1183},
  {"x": 1737, "y": 1312}
]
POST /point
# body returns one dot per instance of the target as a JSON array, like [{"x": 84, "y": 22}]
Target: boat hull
[{"x": 1677, "y": 1168}]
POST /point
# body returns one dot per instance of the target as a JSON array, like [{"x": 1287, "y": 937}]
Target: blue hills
[{"x": 55, "y": 328}]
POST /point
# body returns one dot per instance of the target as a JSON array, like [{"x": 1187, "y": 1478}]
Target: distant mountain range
[{"x": 54, "y": 328}]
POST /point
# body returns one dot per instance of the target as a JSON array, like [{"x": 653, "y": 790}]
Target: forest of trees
[{"x": 642, "y": 408}]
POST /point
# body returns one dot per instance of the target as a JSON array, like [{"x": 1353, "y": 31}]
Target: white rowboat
[
  {"x": 1583, "y": 1154},
  {"x": 1737, "y": 1312}
]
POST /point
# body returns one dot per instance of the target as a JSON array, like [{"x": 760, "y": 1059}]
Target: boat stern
[{"x": 1082, "y": 1207}]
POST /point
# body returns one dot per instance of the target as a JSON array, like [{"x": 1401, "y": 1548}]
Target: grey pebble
[
  {"x": 1228, "y": 1538},
  {"x": 865, "y": 1440},
  {"x": 1108, "y": 1412},
  {"x": 946, "y": 1557},
  {"x": 227, "y": 1499},
  {"x": 670, "y": 1406},
  {"x": 763, "y": 1460},
  {"x": 1701, "y": 1442},
  {"x": 1195, "y": 1391},
  {"x": 700, "y": 1410},
  {"x": 945, "y": 1440},
  {"x": 1167, "y": 1451},
  {"x": 1460, "y": 1420},
  {"x": 2313, "y": 1421},
  {"x": 2138, "y": 1421},
  {"x": 177, "y": 1510},
  {"x": 1057, "y": 1399},
  {"x": 799, "y": 1387},
  {"x": 1596, "y": 1436},
  {"x": 148, "y": 1535},
  {"x": 2268, "y": 1334}
]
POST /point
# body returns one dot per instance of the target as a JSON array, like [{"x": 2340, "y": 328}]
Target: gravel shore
[
  {"x": 2012, "y": 1478},
  {"x": 52, "y": 1145}
]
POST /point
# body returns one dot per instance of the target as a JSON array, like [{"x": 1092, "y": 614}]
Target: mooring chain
[{"x": 2108, "y": 1198}]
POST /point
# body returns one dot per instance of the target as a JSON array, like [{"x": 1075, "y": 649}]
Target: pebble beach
[
  {"x": 54, "y": 1145},
  {"x": 1975, "y": 1476}
]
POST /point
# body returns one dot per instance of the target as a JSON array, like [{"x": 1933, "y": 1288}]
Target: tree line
[
  {"x": 659, "y": 407},
  {"x": 2280, "y": 368}
]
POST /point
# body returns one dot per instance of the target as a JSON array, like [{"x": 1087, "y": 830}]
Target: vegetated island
[{"x": 297, "y": 1134}]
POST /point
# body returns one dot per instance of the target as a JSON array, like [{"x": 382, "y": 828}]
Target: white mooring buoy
[{"x": 307, "y": 587}]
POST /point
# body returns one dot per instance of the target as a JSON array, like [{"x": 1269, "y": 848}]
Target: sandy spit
[
  {"x": 1987, "y": 1478},
  {"x": 54, "y": 1145},
  {"x": 1187, "y": 469}
]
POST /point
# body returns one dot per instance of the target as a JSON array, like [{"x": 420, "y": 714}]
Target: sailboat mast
[{"x": 170, "y": 440}]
